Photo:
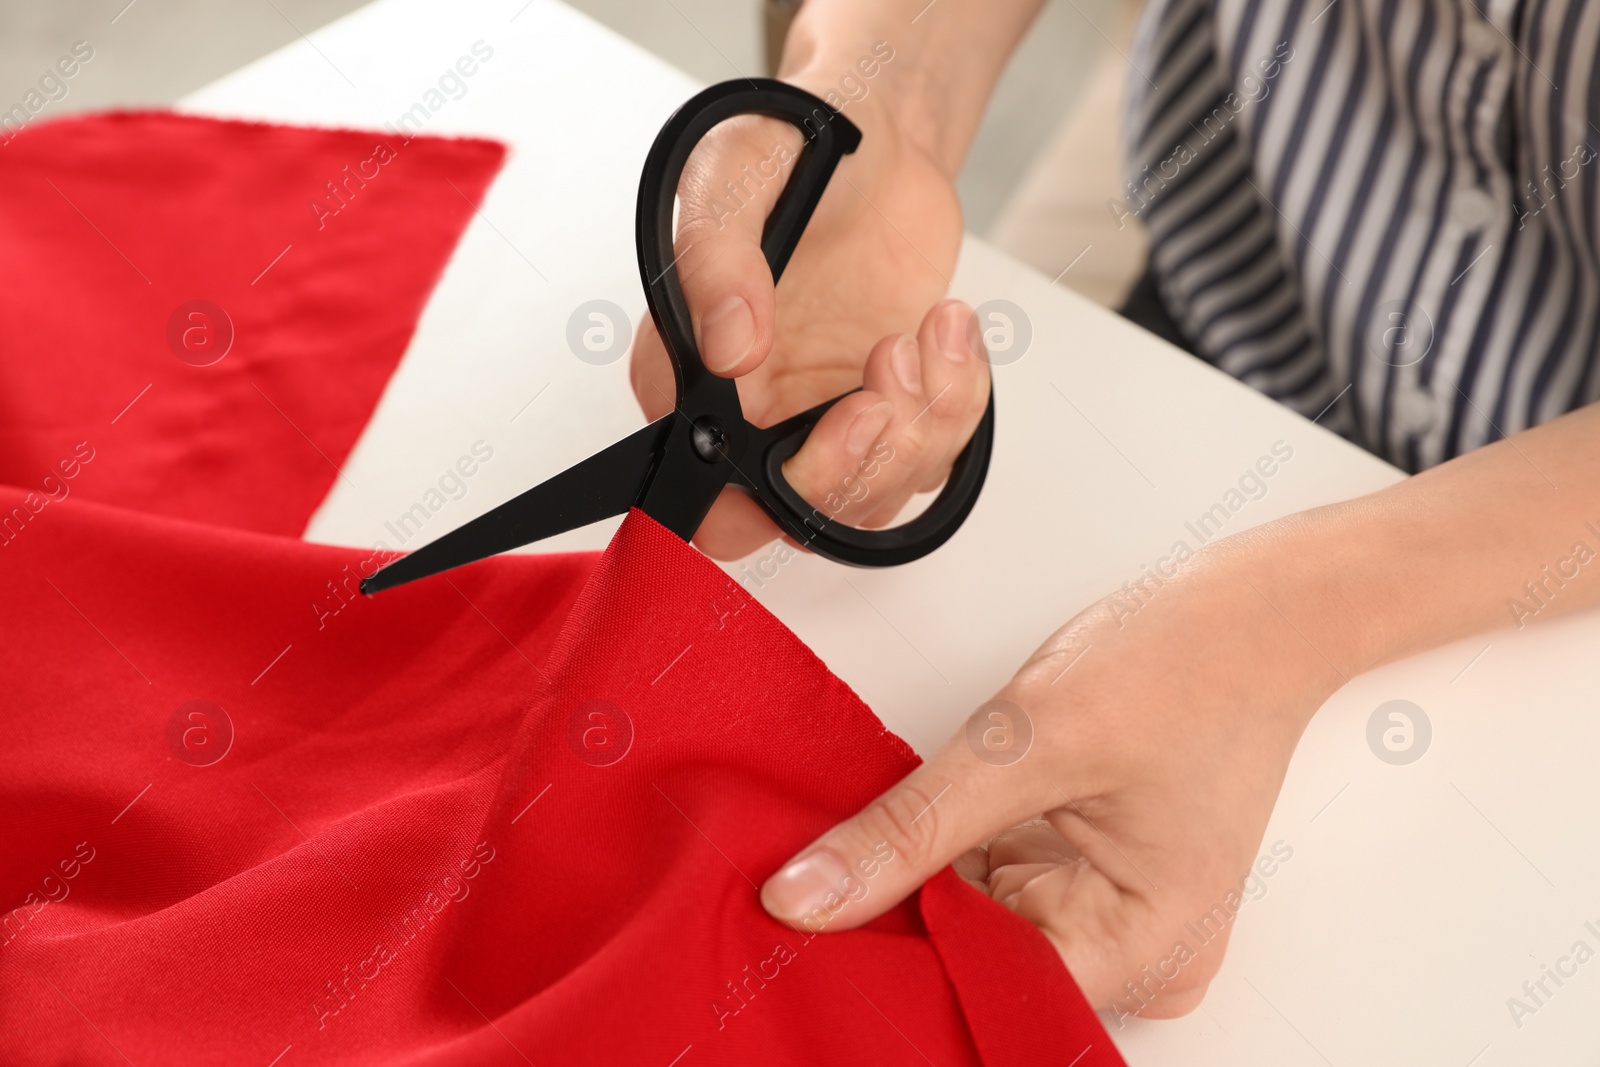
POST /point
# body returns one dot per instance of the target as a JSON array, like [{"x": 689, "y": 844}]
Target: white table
[{"x": 1419, "y": 898}]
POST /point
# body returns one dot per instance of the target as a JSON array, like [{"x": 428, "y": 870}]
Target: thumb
[
  {"x": 728, "y": 188},
  {"x": 868, "y": 864}
]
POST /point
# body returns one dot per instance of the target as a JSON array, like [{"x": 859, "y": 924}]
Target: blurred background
[{"x": 1036, "y": 183}]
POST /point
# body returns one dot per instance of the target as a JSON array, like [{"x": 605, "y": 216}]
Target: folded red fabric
[
  {"x": 513, "y": 814},
  {"x": 442, "y": 832},
  {"x": 210, "y": 310}
]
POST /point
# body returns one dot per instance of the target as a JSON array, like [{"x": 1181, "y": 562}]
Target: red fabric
[
  {"x": 242, "y": 828},
  {"x": 404, "y": 743},
  {"x": 1010, "y": 981},
  {"x": 111, "y": 222}
]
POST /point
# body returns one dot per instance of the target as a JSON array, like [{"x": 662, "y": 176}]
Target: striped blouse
[{"x": 1380, "y": 212}]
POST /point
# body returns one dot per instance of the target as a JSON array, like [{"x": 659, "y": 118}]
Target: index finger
[{"x": 729, "y": 186}]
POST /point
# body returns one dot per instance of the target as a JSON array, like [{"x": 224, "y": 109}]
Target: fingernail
[
  {"x": 956, "y": 329},
  {"x": 726, "y": 334},
  {"x": 866, "y": 428},
  {"x": 801, "y": 887},
  {"x": 907, "y": 362}
]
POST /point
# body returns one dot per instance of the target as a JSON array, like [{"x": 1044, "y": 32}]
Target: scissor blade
[{"x": 606, "y": 484}]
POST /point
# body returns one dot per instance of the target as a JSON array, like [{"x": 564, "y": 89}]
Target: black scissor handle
[
  {"x": 815, "y": 528},
  {"x": 758, "y": 462},
  {"x": 829, "y": 137}
]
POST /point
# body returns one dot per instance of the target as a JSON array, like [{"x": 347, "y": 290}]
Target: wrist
[
  {"x": 927, "y": 79},
  {"x": 1344, "y": 578},
  {"x": 871, "y": 82},
  {"x": 1481, "y": 542}
]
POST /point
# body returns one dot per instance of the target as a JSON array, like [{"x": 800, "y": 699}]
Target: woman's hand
[
  {"x": 858, "y": 308},
  {"x": 1160, "y": 737},
  {"x": 1163, "y": 725}
]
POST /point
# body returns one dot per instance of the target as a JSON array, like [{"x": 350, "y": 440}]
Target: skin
[{"x": 1160, "y": 745}]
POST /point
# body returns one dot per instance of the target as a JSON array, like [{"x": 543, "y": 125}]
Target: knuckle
[
  {"x": 945, "y": 401},
  {"x": 911, "y": 441},
  {"x": 696, "y": 255},
  {"x": 963, "y": 399},
  {"x": 924, "y": 452},
  {"x": 944, "y": 411},
  {"x": 907, "y": 820},
  {"x": 700, "y": 228}
]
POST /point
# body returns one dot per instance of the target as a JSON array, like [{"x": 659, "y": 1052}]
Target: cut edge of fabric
[
  {"x": 639, "y": 526},
  {"x": 121, "y": 114}
]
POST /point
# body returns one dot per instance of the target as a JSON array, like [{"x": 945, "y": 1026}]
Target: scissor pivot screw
[{"x": 710, "y": 439}]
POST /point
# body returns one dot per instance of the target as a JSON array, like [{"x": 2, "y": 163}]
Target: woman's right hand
[{"x": 860, "y": 303}]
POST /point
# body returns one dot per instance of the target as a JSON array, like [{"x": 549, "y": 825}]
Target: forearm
[
  {"x": 947, "y": 56},
  {"x": 1491, "y": 539}
]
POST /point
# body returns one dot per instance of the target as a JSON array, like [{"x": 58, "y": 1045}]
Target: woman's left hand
[{"x": 1160, "y": 738}]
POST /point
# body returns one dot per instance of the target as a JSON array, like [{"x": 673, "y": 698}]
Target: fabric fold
[{"x": 564, "y": 838}]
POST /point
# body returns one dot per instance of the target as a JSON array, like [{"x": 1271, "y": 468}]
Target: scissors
[{"x": 674, "y": 468}]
